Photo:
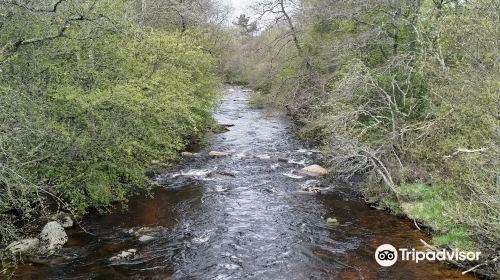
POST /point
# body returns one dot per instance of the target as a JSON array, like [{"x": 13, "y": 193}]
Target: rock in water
[
  {"x": 124, "y": 255},
  {"x": 221, "y": 128},
  {"x": 264, "y": 157},
  {"x": 218, "y": 154},
  {"x": 313, "y": 170},
  {"x": 25, "y": 246},
  {"x": 66, "y": 221},
  {"x": 311, "y": 186},
  {"x": 63, "y": 218},
  {"x": 145, "y": 238},
  {"x": 145, "y": 231},
  {"x": 53, "y": 236},
  {"x": 189, "y": 154},
  {"x": 332, "y": 221}
]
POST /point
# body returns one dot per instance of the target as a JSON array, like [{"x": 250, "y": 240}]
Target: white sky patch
[{"x": 239, "y": 7}]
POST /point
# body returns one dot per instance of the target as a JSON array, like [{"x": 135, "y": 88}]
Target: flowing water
[{"x": 244, "y": 216}]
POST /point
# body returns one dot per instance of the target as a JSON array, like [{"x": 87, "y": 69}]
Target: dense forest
[{"x": 401, "y": 97}]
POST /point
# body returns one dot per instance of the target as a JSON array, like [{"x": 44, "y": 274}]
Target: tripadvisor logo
[{"x": 388, "y": 255}]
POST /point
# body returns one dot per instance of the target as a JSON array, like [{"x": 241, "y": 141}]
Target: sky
[{"x": 239, "y": 7}]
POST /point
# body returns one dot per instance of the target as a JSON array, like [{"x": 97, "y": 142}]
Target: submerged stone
[
  {"x": 124, "y": 255},
  {"x": 217, "y": 154},
  {"x": 145, "y": 238},
  {"x": 189, "y": 154},
  {"x": 145, "y": 230}
]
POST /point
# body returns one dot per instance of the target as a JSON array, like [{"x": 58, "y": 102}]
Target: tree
[
  {"x": 280, "y": 10},
  {"x": 80, "y": 118},
  {"x": 401, "y": 92},
  {"x": 181, "y": 14},
  {"x": 247, "y": 28}
]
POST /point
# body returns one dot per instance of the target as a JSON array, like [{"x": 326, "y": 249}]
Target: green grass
[
  {"x": 392, "y": 204},
  {"x": 430, "y": 206},
  {"x": 457, "y": 237}
]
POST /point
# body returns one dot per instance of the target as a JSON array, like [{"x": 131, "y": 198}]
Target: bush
[
  {"x": 80, "y": 120},
  {"x": 406, "y": 94}
]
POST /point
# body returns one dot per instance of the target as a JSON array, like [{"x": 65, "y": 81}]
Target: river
[{"x": 242, "y": 216}]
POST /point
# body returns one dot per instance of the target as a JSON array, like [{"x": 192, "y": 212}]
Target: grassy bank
[{"x": 453, "y": 220}]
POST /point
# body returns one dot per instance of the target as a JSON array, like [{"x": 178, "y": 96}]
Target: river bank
[
  {"x": 426, "y": 206},
  {"x": 248, "y": 214}
]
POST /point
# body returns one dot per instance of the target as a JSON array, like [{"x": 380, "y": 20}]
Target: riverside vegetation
[
  {"x": 401, "y": 93},
  {"x": 92, "y": 93}
]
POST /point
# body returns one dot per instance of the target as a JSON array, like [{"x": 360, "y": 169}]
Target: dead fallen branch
[{"x": 464, "y": 150}]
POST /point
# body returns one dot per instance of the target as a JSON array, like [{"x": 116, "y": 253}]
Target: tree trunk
[{"x": 294, "y": 36}]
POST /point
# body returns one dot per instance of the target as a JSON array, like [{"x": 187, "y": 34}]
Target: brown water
[{"x": 255, "y": 224}]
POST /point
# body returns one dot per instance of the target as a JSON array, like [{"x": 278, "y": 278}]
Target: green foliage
[
  {"x": 82, "y": 115},
  {"x": 457, "y": 237},
  {"x": 403, "y": 92},
  {"x": 432, "y": 206},
  {"x": 389, "y": 202},
  {"x": 423, "y": 203}
]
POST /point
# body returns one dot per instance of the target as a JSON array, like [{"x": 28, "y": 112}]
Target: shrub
[{"x": 80, "y": 120}]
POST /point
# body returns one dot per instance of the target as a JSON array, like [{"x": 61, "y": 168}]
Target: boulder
[
  {"x": 66, "y": 221},
  {"x": 313, "y": 170},
  {"x": 218, "y": 154},
  {"x": 53, "y": 236},
  {"x": 124, "y": 255},
  {"x": 25, "y": 246},
  {"x": 275, "y": 166},
  {"x": 63, "y": 218}
]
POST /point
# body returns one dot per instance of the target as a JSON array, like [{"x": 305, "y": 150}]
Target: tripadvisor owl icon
[{"x": 386, "y": 255}]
